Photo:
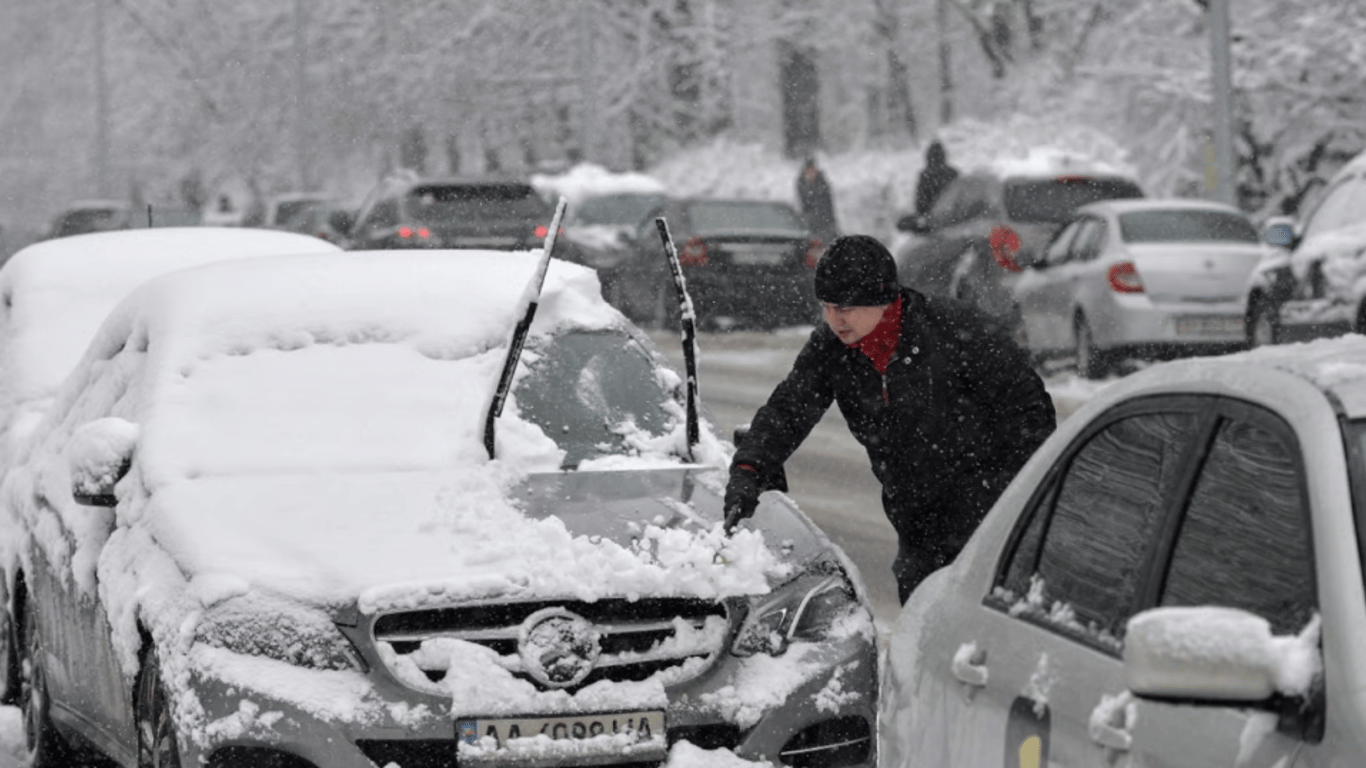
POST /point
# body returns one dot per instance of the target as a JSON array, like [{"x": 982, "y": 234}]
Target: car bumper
[
  {"x": 267, "y": 712},
  {"x": 761, "y": 298},
  {"x": 1135, "y": 321}
]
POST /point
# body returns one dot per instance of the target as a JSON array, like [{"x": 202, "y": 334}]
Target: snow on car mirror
[
  {"x": 1216, "y": 654},
  {"x": 1279, "y": 232},
  {"x": 98, "y": 456}
]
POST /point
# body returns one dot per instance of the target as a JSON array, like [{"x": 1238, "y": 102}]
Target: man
[
  {"x": 946, "y": 404},
  {"x": 934, "y": 178},
  {"x": 818, "y": 207}
]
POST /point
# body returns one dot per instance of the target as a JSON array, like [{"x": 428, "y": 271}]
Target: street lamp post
[{"x": 1222, "y": 87}]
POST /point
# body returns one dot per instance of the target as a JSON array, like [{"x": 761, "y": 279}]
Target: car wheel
[
  {"x": 43, "y": 746},
  {"x": 1264, "y": 327},
  {"x": 157, "y": 746},
  {"x": 1090, "y": 360}
]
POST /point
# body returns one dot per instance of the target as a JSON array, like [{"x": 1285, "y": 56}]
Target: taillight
[
  {"x": 693, "y": 253},
  {"x": 813, "y": 253},
  {"x": 1124, "y": 278},
  {"x": 542, "y": 230},
  {"x": 408, "y": 232},
  {"x": 1005, "y": 244}
]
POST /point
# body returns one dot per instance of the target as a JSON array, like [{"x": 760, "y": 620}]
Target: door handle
[
  {"x": 970, "y": 665},
  {"x": 1110, "y": 721}
]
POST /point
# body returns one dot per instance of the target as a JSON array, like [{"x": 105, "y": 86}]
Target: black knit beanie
[{"x": 856, "y": 271}]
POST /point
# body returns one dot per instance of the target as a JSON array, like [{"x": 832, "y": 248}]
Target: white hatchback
[
  {"x": 1146, "y": 278},
  {"x": 1175, "y": 578}
]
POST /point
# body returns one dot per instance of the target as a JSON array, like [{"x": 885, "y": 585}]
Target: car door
[
  {"x": 1016, "y": 677},
  {"x": 1046, "y": 297},
  {"x": 1242, "y": 540}
]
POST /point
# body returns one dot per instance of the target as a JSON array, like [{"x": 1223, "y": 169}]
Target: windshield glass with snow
[
  {"x": 595, "y": 394},
  {"x": 1186, "y": 227}
]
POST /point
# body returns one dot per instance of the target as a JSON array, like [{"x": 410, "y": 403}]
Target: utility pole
[
  {"x": 300, "y": 98},
  {"x": 101, "y": 105},
  {"x": 1222, "y": 87}
]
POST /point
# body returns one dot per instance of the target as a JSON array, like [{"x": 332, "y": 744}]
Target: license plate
[
  {"x": 757, "y": 258},
  {"x": 645, "y": 725},
  {"x": 1206, "y": 325}
]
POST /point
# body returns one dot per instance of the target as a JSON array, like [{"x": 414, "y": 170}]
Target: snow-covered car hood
[{"x": 437, "y": 537}]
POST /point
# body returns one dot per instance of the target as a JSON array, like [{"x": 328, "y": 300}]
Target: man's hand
[{"x": 742, "y": 495}]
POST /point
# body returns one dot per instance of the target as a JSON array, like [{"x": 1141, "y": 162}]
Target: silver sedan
[{"x": 1146, "y": 278}]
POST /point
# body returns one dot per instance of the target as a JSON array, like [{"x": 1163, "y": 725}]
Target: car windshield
[
  {"x": 1053, "y": 201},
  {"x": 595, "y": 394},
  {"x": 616, "y": 209},
  {"x": 1186, "y": 226},
  {"x": 733, "y": 215},
  {"x": 441, "y": 203}
]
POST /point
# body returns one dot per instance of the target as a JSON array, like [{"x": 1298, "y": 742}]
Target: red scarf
[{"x": 880, "y": 343}]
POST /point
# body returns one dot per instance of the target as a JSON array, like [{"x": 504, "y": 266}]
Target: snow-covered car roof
[{"x": 56, "y": 293}]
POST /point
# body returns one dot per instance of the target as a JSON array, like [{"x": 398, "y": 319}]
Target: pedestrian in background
[
  {"x": 818, "y": 207},
  {"x": 946, "y": 404},
  {"x": 934, "y": 178}
]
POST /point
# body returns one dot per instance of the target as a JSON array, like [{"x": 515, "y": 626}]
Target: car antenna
[
  {"x": 531, "y": 297},
  {"x": 689, "y": 330}
]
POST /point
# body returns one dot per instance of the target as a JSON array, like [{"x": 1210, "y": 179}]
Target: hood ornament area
[{"x": 558, "y": 648}]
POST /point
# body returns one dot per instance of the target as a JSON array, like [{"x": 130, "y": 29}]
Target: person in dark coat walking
[
  {"x": 818, "y": 207},
  {"x": 946, "y": 404},
  {"x": 934, "y": 178}
]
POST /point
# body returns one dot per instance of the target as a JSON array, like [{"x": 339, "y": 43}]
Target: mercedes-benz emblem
[{"x": 558, "y": 648}]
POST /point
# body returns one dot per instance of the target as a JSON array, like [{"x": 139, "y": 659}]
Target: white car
[
  {"x": 1317, "y": 286},
  {"x": 274, "y": 518},
  {"x": 1140, "y": 278},
  {"x": 1175, "y": 578}
]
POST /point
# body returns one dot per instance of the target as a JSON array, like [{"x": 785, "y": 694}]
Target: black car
[
  {"x": 412, "y": 212},
  {"x": 747, "y": 263},
  {"x": 986, "y": 227}
]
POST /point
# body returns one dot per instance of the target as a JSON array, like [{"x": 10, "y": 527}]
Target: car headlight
[
  {"x": 276, "y": 629},
  {"x": 803, "y": 609}
]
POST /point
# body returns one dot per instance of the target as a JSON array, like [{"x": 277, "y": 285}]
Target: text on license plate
[
  {"x": 1209, "y": 325},
  {"x": 645, "y": 725}
]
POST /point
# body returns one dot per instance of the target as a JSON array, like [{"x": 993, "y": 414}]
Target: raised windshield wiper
[
  {"x": 531, "y": 298},
  {"x": 689, "y": 329}
]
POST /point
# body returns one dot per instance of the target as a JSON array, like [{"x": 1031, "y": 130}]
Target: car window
[
  {"x": 967, "y": 198},
  {"x": 1089, "y": 239},
  {"x": 384, "y": 214},
  {"x": 1057, "y": 251},
  {"x": 1342, "y": 206},
  {"x": 594, "y": 394},
  {"x": 1244, "y": 541},
  {"x": 1077, "y": 564},
  {"x": 730, "y": 215},
  {"x": 1186, "y": 226},
  {"x": 437, "y": 203},
  {"x": 1054, "y": 200}
]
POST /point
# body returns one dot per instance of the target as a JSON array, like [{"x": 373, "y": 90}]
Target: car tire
[
  {"x": 43, "y": 746},
  {"x": 157, "y": 747},
  {"x": 1091, "y": 363},
  {"x": 1263, "y": 328}
]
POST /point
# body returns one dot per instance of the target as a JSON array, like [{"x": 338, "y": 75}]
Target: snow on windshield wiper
[
  {"x": 531, "y": 298},
  {"x": 688, "y": 318}
]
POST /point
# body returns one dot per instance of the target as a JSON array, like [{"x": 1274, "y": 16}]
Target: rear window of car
[
  {"x": 730, "y": 216},
  {"x": 616, "y": 209},
  {"x": 1053, "y": 200},
  {"x": 1186, "y": 227},
  {"x": 441, "y": 202}
]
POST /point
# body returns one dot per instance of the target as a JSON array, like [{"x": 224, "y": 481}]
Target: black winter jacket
[{"x": 955, "y": 416}]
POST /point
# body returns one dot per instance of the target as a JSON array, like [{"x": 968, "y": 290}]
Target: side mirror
[
  {"x": 1280, "y": 231},
  {"x": 98, "y": 456},
  {"x": 1215, "y": 654},
  {"x": 914, "y": 223}
]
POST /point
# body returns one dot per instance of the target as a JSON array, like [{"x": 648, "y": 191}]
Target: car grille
[{"x": 637, "y": 639}]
